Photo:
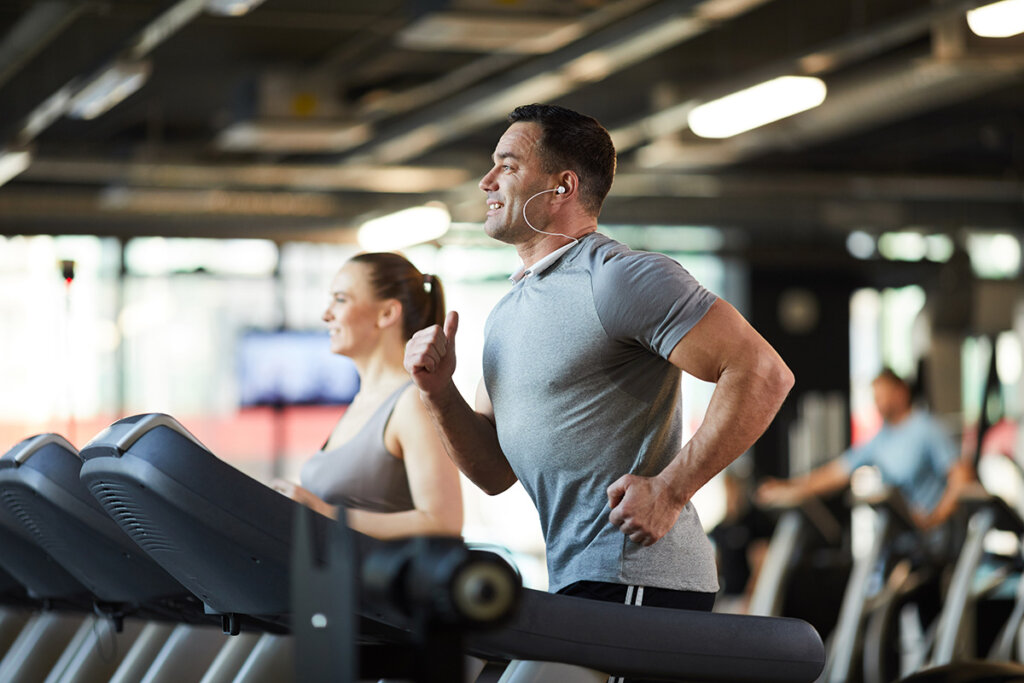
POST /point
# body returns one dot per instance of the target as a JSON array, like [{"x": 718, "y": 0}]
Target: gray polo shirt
[{"x": 575, "y": 365}]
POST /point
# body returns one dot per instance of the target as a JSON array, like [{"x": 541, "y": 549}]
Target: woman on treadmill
[{"x": 383, "y": 462}]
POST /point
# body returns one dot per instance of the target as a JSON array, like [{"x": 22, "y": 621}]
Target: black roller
[{"x": 441, "y": 577}]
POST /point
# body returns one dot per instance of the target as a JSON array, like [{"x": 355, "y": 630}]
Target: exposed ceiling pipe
[
  {"x": 379, "y": 179},
  {"x": 158, "y": 202},
  {"x": 871, "y": 99},
  {"x": 337, "y": 137},
  {"x": 819, "y": 62},
  {"x": 157, "y": 31},
  {"x": 653, "y": 184},
  {"x": 590, "y": 59},
  {"x": 495, "y": 62},
  {"x": 33, "y": 31}
]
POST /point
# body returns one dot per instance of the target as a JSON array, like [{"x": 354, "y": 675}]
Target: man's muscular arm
[
  {"x": 469, "y": 437},
  {"x": 751, "y": 382}
]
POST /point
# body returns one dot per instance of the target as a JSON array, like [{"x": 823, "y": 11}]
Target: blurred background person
[{"x": 912, "y": 452}]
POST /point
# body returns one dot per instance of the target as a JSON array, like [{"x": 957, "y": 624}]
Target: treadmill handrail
[
  {"x": 889, "y": 498},
  {"x": 655, "y": 641}
]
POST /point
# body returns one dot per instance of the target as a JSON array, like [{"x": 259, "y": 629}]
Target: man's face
[
  {"x": 891, "y": 399},
  {"x": 516, "y": 176}
]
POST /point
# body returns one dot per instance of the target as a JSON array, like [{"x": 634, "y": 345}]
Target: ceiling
[{"x": 302, "y": 118}]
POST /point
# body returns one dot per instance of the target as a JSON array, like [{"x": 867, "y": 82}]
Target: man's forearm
[
  {"x": 470, "y": 440},
  {"x": 744, "y": 403},
  {"x": 958, "y": 478}
]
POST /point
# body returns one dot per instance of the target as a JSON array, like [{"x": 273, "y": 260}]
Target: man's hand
[
  {"x": 643, "y": 508},
  {"x": 777, "y": 493},
  {"x": 430, "y": 355}
]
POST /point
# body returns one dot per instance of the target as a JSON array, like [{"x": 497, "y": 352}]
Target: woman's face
[{"x": 353, "y": 311}]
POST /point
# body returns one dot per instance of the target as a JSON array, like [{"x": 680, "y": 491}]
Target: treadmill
[
  {"x": 225, "y": 536},
  {"x": 228, "y": 538},
  {"x": 32, "y": 567},
  {"x": 41, "y": 490},
  {"x": 47, "y": 613}
]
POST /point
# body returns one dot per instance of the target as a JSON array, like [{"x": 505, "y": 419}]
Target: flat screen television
[{"x": 292, "y": 367}]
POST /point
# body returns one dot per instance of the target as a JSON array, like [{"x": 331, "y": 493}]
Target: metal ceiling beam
[
  {"x": 476, "y": 71},
  {"x": 126, "y": 212},
  {"x": 33, "y": 31},
  {"x": 590, "y": 59},
  {"x": 378, "y": 179},
  {"x": 778, "y": 219},
  {"x": 656, "y": 194},
  {"x": 153, "y": 34},
  {"x": 127, "y": 227},
  {"x": 781, "y": 206},
  {"x": 874, "y": 96},
  {"x": 871, "y": 98},
  {"x": 804, "y": 203},
  {"x": 794, "y": 218},
  {"x": 32, "y": 202},
  {"x": 338, "y": 137},
  {"x": 847, "y": 186}
]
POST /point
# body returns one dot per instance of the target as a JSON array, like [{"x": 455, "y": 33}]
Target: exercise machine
[{"x": 228, "y": 538}]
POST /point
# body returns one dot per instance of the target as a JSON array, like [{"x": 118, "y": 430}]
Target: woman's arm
[{"x": 433, "y": 479}]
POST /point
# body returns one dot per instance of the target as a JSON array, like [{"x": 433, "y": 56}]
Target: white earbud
[{"x": 557, "y": 190}]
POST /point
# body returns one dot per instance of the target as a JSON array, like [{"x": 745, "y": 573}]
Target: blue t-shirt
[{"x": 914, "y": 456}]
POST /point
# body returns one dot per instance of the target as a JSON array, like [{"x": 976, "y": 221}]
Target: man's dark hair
[
  {"x": 889, "y": 375},
  {"x": 574, "y": 142}
]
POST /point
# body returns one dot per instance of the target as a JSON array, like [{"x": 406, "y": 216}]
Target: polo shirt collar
[{"x": 543, "y": 264}]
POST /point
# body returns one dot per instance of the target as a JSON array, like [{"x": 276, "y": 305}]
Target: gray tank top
[{"x": 361, "y": 473}]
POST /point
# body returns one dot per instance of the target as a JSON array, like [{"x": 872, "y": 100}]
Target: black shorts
[{"x": 641, "y": 596}]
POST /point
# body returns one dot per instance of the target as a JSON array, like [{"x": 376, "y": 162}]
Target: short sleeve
[
  {"x": 859, "y": 456},
  {"x": 649, "y": 299}
]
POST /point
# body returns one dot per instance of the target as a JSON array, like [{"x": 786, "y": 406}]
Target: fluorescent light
[
  {"x": 108, "y": 89},
  {"x": 940, "y": 248},
  {"x": 405, "y": 228},
  {"x": 465, "y": 32},
  {"x": 860, "y": 244},
  {"x": 292, "y": 136},
  {"x": 994, "y": 255},
  {"x": 998, "y": 20},
  {"x": 12, "y": 163},
  {"x": 756, "y": 106},
  {"x": 231, "y": 8},
  {"x": 903, "y": 246}
]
